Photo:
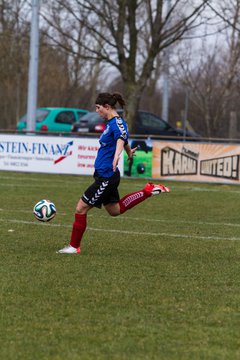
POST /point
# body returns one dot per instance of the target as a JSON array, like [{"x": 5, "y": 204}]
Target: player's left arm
[
  {"x": 118, "y": 151},
  {"x": 120, "y": 133}
]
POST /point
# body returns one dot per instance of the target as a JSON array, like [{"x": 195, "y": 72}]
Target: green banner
[{"x": 141, "y": 164}]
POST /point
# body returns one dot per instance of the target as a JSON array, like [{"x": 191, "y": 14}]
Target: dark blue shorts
[{"x": 102, "y": 191}]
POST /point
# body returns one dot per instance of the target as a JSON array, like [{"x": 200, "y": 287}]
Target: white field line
[
  {"x": 123, "y": 218},
  {"x": 133, "y": 233},
  {"x": 28, "y": 178},
  {"x": 39, "y": 185},
  {"x": 122, "y": 186},
  {"x": 168, "y": 221},
  {"x": 88, "y": 179},
  {"x": 52, "y": 184},
  {"x": 128, "y": 186}
]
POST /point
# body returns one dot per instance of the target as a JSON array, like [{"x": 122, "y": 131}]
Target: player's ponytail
[
  {"x": 118, "y": 97},
  {"x": 110, "y": 99}
]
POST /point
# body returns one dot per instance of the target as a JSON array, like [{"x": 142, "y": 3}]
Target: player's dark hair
[{"x": 110, "y": 99}]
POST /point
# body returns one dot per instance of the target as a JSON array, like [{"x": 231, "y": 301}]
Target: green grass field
[{"x": 160, "y": 282}]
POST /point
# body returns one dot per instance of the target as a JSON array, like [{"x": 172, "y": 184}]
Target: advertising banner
[
  {"x": 141, "y": 164},
  {"x": 191, "y": 161},
  {"x": 185, "y": 161},
  {"x": 49, "y": 154}
]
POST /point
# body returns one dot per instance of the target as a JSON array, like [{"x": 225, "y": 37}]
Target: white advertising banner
[{"x": 49, "y": 154}]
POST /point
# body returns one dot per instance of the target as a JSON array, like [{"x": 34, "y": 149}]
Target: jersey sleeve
[{"x": 120, "y": 131}]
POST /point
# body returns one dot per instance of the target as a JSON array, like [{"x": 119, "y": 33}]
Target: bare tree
[
  {"x": 212, "y": 80},
  {"x": 13, "y": 61},
  {"x": 59, "y": 80},
  {"x": 227, "y": 11},
  {"x": 126, "y": 35},
  {"x": 66, "y": 33}
]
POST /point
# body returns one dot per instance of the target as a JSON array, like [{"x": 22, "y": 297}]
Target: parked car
[
  {"x": 90, "y": 122},
  {"x": 54, "y": 119},
  {"x": 146, "y": 123}
]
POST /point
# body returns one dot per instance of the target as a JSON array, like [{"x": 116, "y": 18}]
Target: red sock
[
  {"x": 131, "y": 200},
  {"x": 79, "y": 226}
]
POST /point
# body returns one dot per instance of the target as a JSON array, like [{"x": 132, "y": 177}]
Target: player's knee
[
  {"x": 79, "y": 211},
  {"x": 113, "y": 209},
  {"x": 82, "y": 208},
  {"x": 114, "y": 214}
]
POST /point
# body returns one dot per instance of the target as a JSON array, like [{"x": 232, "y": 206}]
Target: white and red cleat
[
  {"x": 69, "y": 250},
  {"x": 152, "y": 189}
]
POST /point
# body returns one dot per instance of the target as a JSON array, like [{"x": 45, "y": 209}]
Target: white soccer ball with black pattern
[{"x": 44, "y": 210}]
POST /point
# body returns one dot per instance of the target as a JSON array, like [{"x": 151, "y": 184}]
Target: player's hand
[{"x": 132, "y": 153}]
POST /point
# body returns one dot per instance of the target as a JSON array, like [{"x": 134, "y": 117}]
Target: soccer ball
[
  {"x": 141, "y": 168},
  {"x": 44, "y": 210}
]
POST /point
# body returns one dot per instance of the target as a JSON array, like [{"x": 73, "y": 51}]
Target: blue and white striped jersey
[{"x": 116, "y": 129}]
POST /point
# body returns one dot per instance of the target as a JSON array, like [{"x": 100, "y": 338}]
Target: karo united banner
[
  {"x": 191, "y": 161},
  {"x": 49, "y": 154},
  {"x": 185, "y": 161}
]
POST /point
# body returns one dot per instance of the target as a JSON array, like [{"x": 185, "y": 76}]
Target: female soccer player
[{"x": 104, "y": 189}]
